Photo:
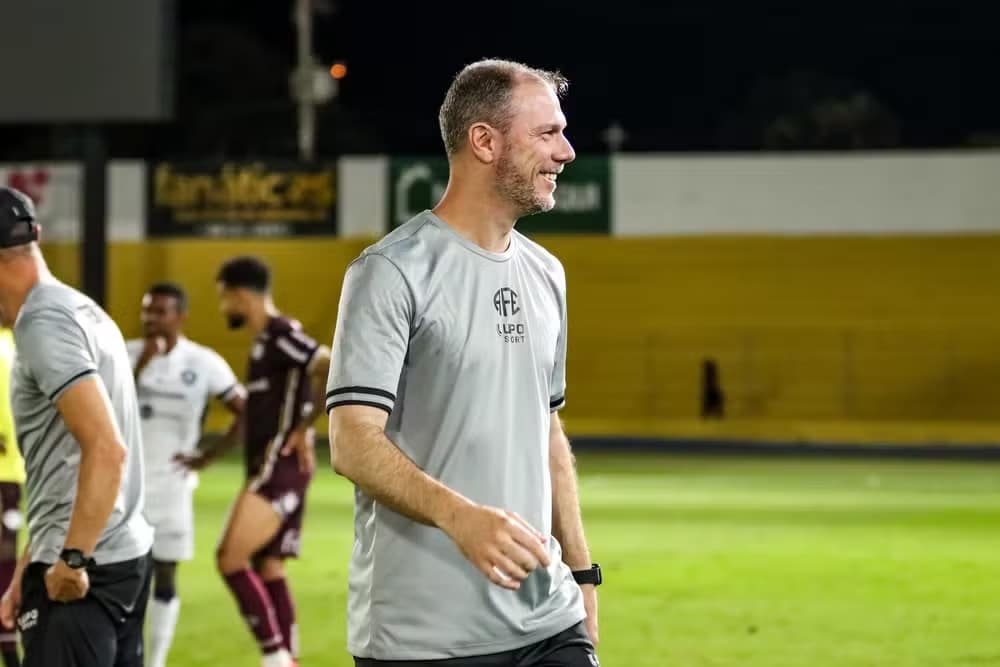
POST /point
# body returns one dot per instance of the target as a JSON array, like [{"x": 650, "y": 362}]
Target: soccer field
[{"x": 708, "y": 561}]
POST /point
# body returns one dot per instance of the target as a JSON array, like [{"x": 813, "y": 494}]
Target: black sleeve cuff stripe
[
  {"x": 70, "y": 381},
  {"x": 370, "y": 404},
  {"x": 362, "y": 390},
  {"x": 556, "y": 402},
  {"x": 230, "y": 389}
]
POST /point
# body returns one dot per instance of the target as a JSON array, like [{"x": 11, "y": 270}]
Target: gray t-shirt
[
  {"x": 466, "y": 350},
  {"x": 63, "y": 337}
]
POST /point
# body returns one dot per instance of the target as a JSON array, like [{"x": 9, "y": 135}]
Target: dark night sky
[
  {"x": 679, "y": 76},
  {"x": 674, "y": 74}
]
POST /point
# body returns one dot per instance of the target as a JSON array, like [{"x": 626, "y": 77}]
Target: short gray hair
[{"x": 482, "y": 93}]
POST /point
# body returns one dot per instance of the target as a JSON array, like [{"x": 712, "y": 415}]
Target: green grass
[{"x": 708, "y": 562}]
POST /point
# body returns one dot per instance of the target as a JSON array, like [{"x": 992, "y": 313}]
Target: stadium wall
[
  {"x": 806, "y": 194},
  {"x": 882, "y": 329},
  {"x": 803, "y": 329}
]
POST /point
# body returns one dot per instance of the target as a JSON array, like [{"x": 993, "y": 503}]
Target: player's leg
[
  {"x": 10, "y": 522},
  {"x": 272, "y": 573},
  {"x": 270, "y": 560},
  {"x": 252, "y": 524},
  {"x": 164, "y": 609},
  {"x": 169, "y": 510}
]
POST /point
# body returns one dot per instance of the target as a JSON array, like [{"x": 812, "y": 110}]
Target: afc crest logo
[
  {"x": 507, "y": 304},
  {"x": 188, "y": 377}
]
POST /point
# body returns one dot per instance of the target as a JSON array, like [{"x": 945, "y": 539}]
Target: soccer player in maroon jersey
[{"x": 286, "y": 377}]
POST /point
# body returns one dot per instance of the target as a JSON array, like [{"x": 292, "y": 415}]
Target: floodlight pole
[
  {"x": 94, "y": 208},
  {"x": 306, "y": 103}
]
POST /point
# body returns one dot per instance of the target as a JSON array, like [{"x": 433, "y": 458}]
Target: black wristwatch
[
  {"x": 75, "y": 559},
  {"x": 591, "y": 576}
]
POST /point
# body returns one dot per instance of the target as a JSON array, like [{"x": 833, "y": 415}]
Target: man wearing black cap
[{"x": 80, "y": 589}]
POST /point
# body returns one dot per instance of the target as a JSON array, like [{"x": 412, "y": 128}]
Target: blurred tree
[
  {"x": 232, "y": 91},
  {"x": 807, "y": 110}
]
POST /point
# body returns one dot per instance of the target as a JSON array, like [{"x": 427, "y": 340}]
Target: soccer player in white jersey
[
  {"x": 175, "y": 379},
  {"x": 447, "y": 374}
]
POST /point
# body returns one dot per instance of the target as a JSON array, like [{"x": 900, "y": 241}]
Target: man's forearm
[
  {"x": 22, "y": 562},
  {"x": 315, "y": 408},
  {"x": 98, "y": 482},
  {"x": 229, "y": 441},
  {"x": 317, "y": 380},
  {"x": 567, "y": 522},
  {"x": 367, "y": 457}
]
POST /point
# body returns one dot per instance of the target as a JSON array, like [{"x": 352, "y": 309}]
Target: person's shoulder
[
  {"x": 280, "y": 325},
  {"x": 196, "y": 350},
  {"x": 56, "y": 295},
  {"x": 51, "y": 301},
  {"x": 407, "y": 243},
  {"x": 284, "y": 327}
]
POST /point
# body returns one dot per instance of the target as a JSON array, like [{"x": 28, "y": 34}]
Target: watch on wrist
[
  {"x": 75, "y": 559},
  {"x": 591, "y": 576}
]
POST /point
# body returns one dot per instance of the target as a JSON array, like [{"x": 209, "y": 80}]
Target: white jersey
[{"x": 174, "y": 390}]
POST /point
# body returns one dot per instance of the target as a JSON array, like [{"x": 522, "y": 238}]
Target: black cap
[{"x": 17, "y": 218}]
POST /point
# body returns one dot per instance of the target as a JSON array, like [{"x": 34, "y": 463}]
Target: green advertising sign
[{"x": 583, "y": 197}]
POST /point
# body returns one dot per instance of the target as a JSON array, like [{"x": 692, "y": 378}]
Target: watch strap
[
  {"x": 76, "y": 559},
  {"x": 590, "y": 576}
]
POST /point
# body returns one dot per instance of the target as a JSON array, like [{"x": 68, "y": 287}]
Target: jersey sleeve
[
  {"x": 55, "y": 347},
  {"x": 557, "y": 385},
  {"x": 222, "y": 382},
  {"x": 294, "y": 349},
  {"x": 371, "y": 337},
  {"x": 134, "y": 348}
]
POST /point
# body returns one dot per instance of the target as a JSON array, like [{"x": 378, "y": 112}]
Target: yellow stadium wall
[
  {"x": 803, "y": 328},
  {"x": 815, "y": 329}
]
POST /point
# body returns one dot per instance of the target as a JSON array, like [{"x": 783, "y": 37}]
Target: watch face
[{"x": 74, "y": 559}]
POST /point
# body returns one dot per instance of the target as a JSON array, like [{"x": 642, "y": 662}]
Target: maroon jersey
[{"x": 279, "y": 389}]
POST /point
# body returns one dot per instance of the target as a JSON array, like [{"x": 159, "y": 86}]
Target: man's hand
[
  {"x": 64, "y": 584},
  {"x": 590, "y": 604},
  {"x": 501, "y": 544},
  {"x": 192, "y": 460},
  {"x": 302, "y": 442},
  {"x": 10, "y": 603},
  {"x": 153, "y": 346}
]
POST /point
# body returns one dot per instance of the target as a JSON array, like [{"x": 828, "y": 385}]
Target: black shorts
[
  {"x": 570, "y": 648},
  {"x": 103, "y": 629}
]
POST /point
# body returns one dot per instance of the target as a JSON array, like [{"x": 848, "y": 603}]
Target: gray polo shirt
[
  {"x": 465, "y": 349},
  {"x": 63, "y": 337}
]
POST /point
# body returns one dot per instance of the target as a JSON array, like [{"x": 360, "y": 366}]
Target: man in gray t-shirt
[
  {"x": 448, "y": 367},
  {"x": 74, "y": 405}
]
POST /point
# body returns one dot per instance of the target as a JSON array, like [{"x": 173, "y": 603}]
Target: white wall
[
  {"x": 362, "y": 208},
  {"x": 127, "y": 201},
  {"x": 897, "y": 193},
  {"x": 900, "y": 193},
  {"x": 362, "y": 203},
  {"x": 57, "y": 188}
]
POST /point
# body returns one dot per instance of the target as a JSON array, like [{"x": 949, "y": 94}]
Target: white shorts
[{"x": 169, "y": 509}]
